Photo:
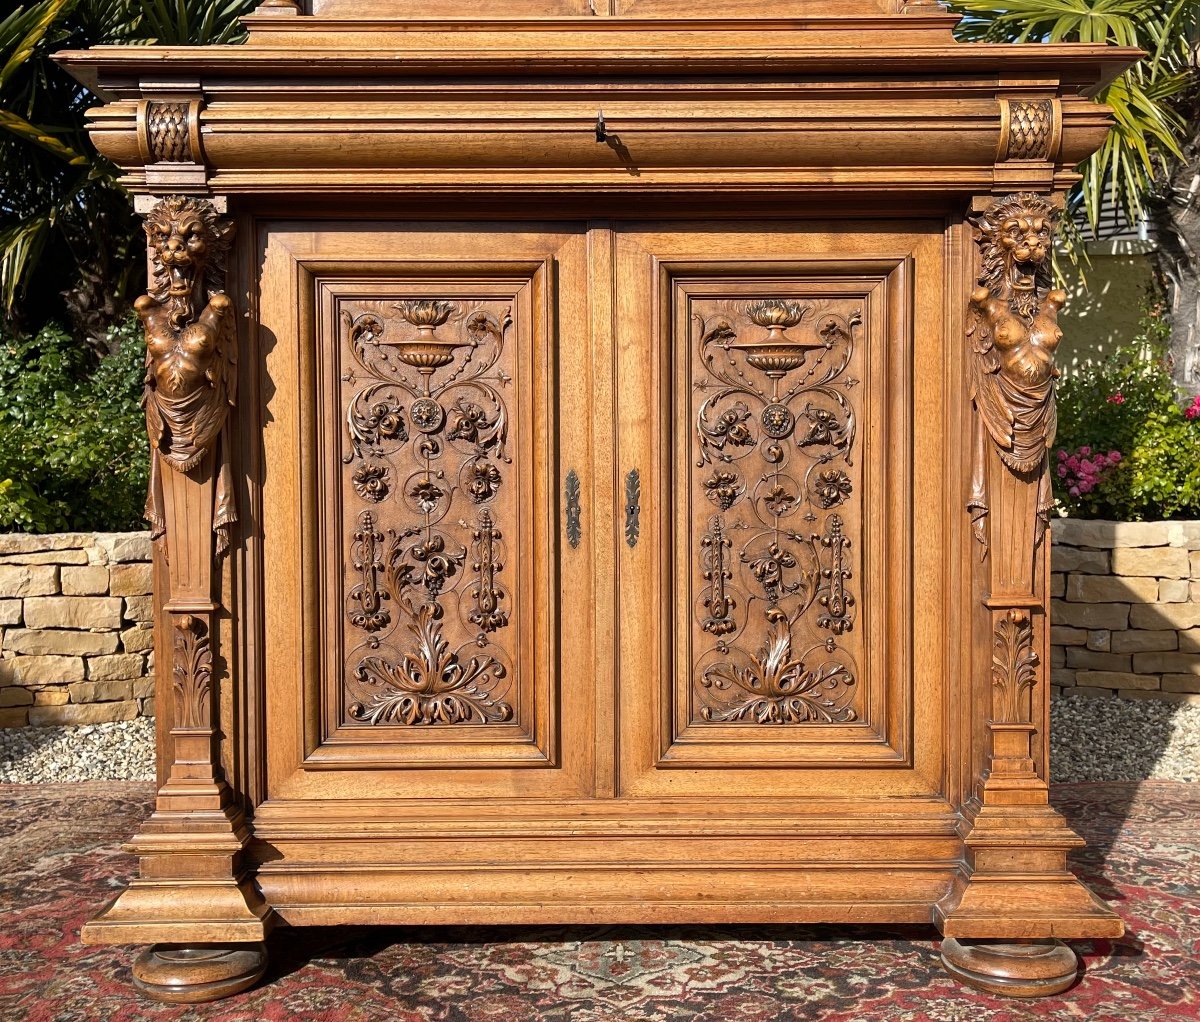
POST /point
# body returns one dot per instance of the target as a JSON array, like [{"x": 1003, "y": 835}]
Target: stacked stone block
[
  {"x": 76, "y": 633},
  {"x": 1125, "y": 609}
]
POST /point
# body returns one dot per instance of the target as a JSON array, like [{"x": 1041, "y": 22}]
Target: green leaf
[
  {"x": 40, "y": 137},
  {"x": 23, "y": 29},
  {"x": 1148, "y": 133}
]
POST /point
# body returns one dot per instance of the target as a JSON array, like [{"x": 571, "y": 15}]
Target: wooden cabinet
[{"x": 600, "y": 475}]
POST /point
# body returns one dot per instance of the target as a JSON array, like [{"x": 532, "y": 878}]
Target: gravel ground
[
  {"x": 1123, "y": 740},
  {"x": 1090, "y": 740},
  {"x": 86, "y": 752}
]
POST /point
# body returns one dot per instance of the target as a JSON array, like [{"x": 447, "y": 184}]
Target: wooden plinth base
[
  {"x": 189, "y": 974},
  {"x": 1033, "y": 968}
]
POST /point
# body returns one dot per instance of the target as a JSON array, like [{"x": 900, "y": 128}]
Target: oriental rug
[{"x": 62, "y": 861}]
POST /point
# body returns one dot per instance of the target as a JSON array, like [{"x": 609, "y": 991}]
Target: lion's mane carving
[
  {"x": 1012, "y": 326},
  {"x": 191, "y": 349}
]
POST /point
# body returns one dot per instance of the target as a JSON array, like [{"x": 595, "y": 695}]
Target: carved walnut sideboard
[{"x": 600, "y": 473}]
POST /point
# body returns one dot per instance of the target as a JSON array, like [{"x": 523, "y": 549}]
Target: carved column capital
[
  {"x": 169, "y": 139},
  {"x": 1030, "y": 129}
]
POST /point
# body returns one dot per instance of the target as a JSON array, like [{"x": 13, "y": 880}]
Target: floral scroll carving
[
  {"x": 426, "y": 454},
  {"x": 775, "y": 429},
  {"x": 1012, "y": 328},
  {"x": 191, "y": 352}
]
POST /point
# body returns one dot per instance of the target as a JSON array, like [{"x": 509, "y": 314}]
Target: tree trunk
[{"x": 1174, "y": 214}]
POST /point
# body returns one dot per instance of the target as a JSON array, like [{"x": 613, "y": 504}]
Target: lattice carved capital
[
  {"x": 169, "y": 131},
  {"x": 1030, "y": 129}
]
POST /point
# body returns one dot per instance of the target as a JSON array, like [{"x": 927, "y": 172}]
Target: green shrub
[
  {"x": 1127, "y": 449},
  {"x": 73, "y": 449}
]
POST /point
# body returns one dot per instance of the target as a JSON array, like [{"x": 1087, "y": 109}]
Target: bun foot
[
  {"x": 1027, "y": 968},
  {"x": 192, "y": 973}
]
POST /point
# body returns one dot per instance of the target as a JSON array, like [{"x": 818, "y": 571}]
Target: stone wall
[
  {"x": 1125, "y": 613},
  {"x": 75, "y": 628}
]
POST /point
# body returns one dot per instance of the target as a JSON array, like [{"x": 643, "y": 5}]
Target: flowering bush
[{"x": 1127, "y": 448}]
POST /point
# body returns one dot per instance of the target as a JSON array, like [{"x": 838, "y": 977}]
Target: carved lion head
[
  {"x": 187, "y": 239},
  {"x": 1017, "y": 236}
]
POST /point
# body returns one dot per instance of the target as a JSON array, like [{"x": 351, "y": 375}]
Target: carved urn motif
[
  {"x": 425, "y": 352},
  {"x": 777, "y": 354}
]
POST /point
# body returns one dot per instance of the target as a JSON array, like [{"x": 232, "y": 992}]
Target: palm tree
[
  {"x": 1149, "y": 167},
  {"x": 67, "y": 230}
]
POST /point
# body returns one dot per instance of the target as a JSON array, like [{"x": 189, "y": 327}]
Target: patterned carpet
[{"x": 60, "y": 848}]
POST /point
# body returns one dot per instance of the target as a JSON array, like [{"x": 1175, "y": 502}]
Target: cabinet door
[
  {"x": 788, "y": 520},
  {"x": 414, "y": 455}
]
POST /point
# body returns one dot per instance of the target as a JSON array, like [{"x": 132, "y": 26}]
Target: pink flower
[
  {"x": 1193, "y": 410},
  {"x": 1083, "y": 471},
  {"x": 1116, "y": 399}
]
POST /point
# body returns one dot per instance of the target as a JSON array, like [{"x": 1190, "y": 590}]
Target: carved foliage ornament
[
  {"x": 1012, "y": 328},
  {"x": 191, "y": 351},
  {"x": 1014, "y": 667},
  {"x": 192, "y": 673},
  {"x": 775, "y": 434},
  {"x": 427, "y": 428}
]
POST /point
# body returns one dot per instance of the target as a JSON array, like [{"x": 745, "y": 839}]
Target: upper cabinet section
[
  {"x": 774, "y": 98},
  {"x": 407, "y": 9}
]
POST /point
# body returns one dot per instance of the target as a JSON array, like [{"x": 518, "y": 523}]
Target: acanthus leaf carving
[
  {"x": 1014, "y": 667},
  {"x": 776, "y": 687},
  {"x": 432, "y": 684},
  {"x": 191, "y": 352},
  {"x": 192, "y": 673}
]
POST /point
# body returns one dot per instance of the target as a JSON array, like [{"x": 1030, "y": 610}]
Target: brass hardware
[
  {"x": 633, "y": 510},
  {"x": 574, "y": 511}
]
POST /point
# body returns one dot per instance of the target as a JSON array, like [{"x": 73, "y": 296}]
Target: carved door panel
[
  {"x": 422, "y": 523},
  {"x": 768, "y": 402}
]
